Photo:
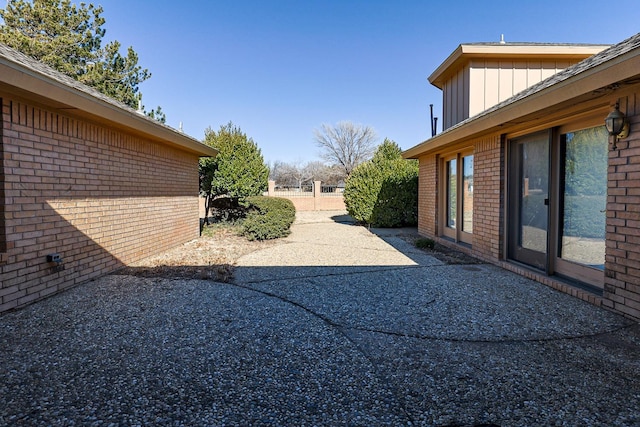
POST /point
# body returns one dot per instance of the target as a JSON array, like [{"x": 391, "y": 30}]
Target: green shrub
[
  {"x": 226, "y": 210},
  {"x": 397, "y": 203},
  {"x": 361, "y": 191},
  {"x": 383, "y": 192},
  {"x": 268, "y": 218},
  {"x": 237, "y": 172},
  {"x": 425, "y": 243}
]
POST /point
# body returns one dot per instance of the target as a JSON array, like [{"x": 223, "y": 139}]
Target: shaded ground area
[{"x": 335, "y": 325}]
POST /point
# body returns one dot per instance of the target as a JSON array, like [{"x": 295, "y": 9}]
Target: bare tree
[
  {"x": 346, "y": 144},
  {"x": 315, "y": 170},
  {"x": 334, "y": 175},
  {"x": 278, "y": 171},
  {"x": 290, "y": 174},
  {"x": 298, "y": 173}
]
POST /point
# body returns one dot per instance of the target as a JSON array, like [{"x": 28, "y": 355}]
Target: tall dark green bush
[
  {"x": 237, "y": 172},
  {"x": 268, "y": 218},
  {"x": 397, "y": 203},
  {"x": 383, "y": 192},
  {"x": 361, "y": 191}
]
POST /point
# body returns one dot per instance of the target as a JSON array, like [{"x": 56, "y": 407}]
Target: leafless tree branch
[{"x": 346, "y": 144}]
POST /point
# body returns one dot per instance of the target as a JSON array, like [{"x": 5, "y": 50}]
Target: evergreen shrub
[
  {"x": 268, "y": 218},
  {"x": 383, "y": 192}
]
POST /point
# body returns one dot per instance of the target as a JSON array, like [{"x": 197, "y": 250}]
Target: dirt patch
[
  {"x": 443, "y": 253},
  {"x": 208, "y": 257},
  {"x": 451, "y": 256}
]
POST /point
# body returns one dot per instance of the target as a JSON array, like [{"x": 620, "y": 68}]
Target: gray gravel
[{"x": 339, "y": 325}]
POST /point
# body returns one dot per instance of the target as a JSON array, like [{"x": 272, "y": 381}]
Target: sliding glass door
[
  {"x": 529, "y": 199},
  {"x": 583, "y": 204},
  {"x": 557, "y": 204}
]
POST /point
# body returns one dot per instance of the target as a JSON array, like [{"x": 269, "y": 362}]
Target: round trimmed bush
[{"x": 268, "y": 218}]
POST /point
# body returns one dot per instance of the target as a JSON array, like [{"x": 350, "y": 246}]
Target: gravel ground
[{"x": 335, "y": 325}]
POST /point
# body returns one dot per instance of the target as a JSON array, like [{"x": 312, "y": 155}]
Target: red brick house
[
  {"x": 525, "y": 174},
  {"x": 86, "y": 184}
]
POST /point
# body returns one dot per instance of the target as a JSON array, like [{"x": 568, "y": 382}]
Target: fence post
[
  {"x": 317, "y": 192},
  {"x": 272, "y": 188}
]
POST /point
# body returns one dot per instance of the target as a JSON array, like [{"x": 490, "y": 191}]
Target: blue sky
[{"x": 281, "y": 68}]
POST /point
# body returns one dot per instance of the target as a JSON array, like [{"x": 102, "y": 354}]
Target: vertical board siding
[{"x": 482, "y": 84}]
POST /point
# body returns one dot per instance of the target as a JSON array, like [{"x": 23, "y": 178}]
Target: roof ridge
[{"x": 521, "y": 43}]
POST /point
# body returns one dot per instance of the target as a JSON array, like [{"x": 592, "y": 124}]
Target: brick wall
[
  {"x": 487, "y": 205},
  {"x": 622, "y": 264},
  {"x": 99, "y": 197},
  {"x": 321, "y": 203},
  {"x": 3, "y": 239},
  {"x": 316, "y": 201},
  {"x": 487, "y": 202},
  {"x": 427, "y": 196}
]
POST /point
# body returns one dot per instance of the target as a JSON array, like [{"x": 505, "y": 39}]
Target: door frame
[
  {"x": 550, "y": 263},
  {"x": 515, "y": 251}
]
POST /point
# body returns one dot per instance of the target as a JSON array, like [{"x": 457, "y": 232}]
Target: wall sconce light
[{"x": 617, "y": 125}]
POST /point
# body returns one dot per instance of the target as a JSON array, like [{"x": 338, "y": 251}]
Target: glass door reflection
[{"x": 529, "y": 200}]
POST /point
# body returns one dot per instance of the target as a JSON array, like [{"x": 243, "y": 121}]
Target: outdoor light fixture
[{"x": 617, "y": 125}]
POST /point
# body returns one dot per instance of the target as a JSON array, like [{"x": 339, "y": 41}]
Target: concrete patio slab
[{"x": 338, "y": 325}]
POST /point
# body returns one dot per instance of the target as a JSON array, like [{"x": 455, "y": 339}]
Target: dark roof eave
[{"x": 27, "y": 75}]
